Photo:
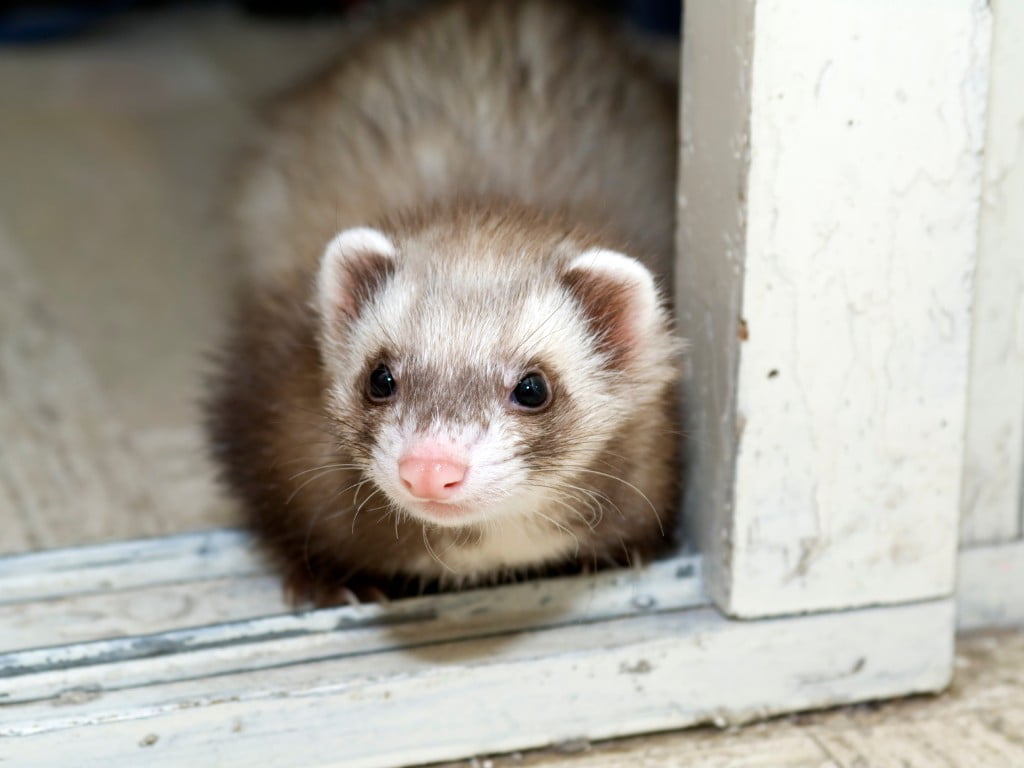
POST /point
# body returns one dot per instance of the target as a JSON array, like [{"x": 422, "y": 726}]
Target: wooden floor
[
  {"x": 114, "y": 156},
  {"x": 114, "y": 159}
]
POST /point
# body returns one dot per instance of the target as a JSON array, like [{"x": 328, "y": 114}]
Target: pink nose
[{"x": 433, "y": 478}]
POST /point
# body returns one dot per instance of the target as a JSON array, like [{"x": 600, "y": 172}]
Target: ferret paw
[{"x": 302, "y": 589}]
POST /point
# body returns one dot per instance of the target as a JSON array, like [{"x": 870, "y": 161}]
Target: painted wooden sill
[{"x": 179, "y": 651}]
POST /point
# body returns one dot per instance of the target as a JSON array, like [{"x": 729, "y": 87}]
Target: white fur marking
[
  {"x": 512, "y": 543},
  {"x": 339, "y": 250},
  {"x": 624, "y": 269}
]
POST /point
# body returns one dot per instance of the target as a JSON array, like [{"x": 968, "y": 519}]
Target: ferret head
[{"x": 477, "y": 371}]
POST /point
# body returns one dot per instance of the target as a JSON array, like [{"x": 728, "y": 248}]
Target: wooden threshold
[{"x": 206, "y": 663}]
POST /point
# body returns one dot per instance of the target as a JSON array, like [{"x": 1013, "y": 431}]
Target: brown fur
[{"x": 508, "y": 137}]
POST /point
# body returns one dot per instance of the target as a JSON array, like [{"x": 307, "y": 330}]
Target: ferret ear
[
  {"x": 619, "y": 297},
  {"x": 355, "y": 265}
]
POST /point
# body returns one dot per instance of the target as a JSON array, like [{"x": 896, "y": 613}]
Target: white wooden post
[
  {"x": 990, "y": 588},
  {"x": 831, "y": 170},
  {"x": 995, "y": 423}
]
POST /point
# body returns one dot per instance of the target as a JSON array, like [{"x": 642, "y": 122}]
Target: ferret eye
[
  {"x": 381, "y": 384},
  {"x": 532, "y": 391}
]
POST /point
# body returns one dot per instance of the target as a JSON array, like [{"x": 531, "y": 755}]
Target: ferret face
[{"x": 475, "y": 388}]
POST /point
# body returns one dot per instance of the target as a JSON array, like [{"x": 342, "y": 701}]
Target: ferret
[{"x": 452, "y": 363}]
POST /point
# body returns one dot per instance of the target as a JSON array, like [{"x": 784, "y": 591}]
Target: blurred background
[{"x": 34, "y": 21}]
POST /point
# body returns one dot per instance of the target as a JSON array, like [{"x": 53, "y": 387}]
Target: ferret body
[{"x": 451, "y": 364}]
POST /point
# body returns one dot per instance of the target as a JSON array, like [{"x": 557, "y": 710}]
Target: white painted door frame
[{"x": 830, "y": 180}]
